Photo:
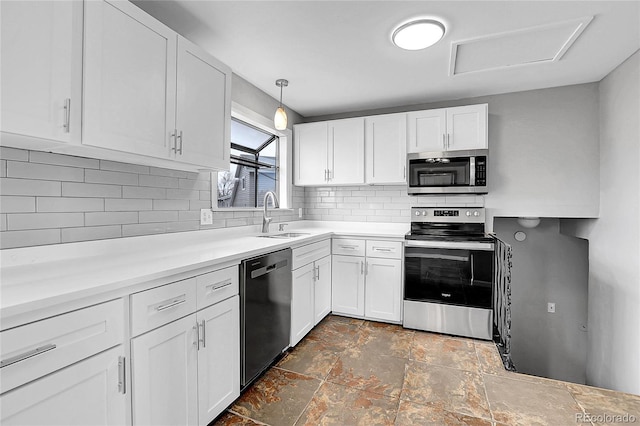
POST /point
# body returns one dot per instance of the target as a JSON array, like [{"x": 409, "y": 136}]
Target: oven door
[{"x": 453, "y": 276}]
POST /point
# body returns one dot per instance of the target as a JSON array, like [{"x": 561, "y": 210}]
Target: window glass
[{"x": 253, "y": 170}]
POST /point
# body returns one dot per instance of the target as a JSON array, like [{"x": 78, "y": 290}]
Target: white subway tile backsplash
[
  {"x": 17, "y": 204},
  {"x": 157, "y": 216},
  {"x": 90, "y": 233},
  {"x": 183, "y": 226},
  {"x": 171, "y": 204},
  {"x": 182, "y": 194},
  {"x": 188, "y": 215},
  {"x": 144, "y": 192},
  {"x": 39, "y": 237},
  {"x": 7, "y": 153},
  {"x": 63, "y": 204},
  {"x": 143, "y": 229},
  {"x": 201, "y": 185},
  {"x": 10, "y": 186},
  {"x": 3, "y": 222},
  {"x": 205, "y": 195},
  {"x": 21, "y": 221},
  {"x": 73, "y": 189},
  {"x": 105, "y": 176},
  {"x": 115, "y": 166},
  {"x": 158, "y": 181},
  {"x": 128, "y": 204},
  {"x": 20, "y": 169},
  {"x": 166, "y": 172},
  {"x": 199, "y": 204},
  {"x": 3, "y": 168},
  {"x": 63, "y": 160},
  {"x": 110, "y": 218},
  {"x": 241, "y": 221}
]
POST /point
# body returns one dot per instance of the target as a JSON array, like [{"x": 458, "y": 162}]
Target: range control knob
[
  {"x": 468, "y": 213},
  {"x": 476, "y": 213},
  {"x": 424, "y": 212},
  {"x": 417, "y": 213}
]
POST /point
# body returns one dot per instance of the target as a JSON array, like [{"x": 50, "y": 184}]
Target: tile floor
[{"x": 355, "y": 372}]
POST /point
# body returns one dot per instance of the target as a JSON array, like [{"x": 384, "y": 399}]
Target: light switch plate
[
  {"x": 551, "y": 308},
  {"x": 206, "y": 217}
]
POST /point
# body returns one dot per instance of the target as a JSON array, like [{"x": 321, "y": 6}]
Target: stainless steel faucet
[{"x": 267, "y": 220}]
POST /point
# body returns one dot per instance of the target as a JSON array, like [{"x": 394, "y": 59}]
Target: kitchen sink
[{"x": 285, "y": 235}]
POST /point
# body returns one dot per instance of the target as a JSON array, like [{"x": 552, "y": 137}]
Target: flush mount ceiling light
[
  {"x": 418, "y": 34},
  {"x": 280, "y": 119}
]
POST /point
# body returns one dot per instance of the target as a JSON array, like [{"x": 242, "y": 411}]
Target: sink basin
[{"x": 285, "y": 235}]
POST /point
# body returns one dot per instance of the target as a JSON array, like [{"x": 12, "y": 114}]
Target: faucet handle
[{"x": 281, "y": 226}]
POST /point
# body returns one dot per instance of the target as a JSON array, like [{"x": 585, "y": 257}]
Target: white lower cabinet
[
  {"x": 311, "y": 288},
  {"x": 89, "y": 392},
  {"x": 187, "y": 371},
  {"x": 367, "y": 283}
]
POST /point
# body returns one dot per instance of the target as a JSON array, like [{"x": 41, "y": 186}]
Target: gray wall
[
  {"x": 614, "y": 238},
  {"x": 543, "y": 150},
  {"x": 548, "y": 267}
]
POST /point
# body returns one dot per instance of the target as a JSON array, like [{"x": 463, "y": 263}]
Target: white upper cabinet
[
  {"x": 330, "y": 152},
  {"x": 129, "y": 80},
  {"x": 346, "y": 151},
  {"x": 448, "y": 129},
  {"x": 41, "y": 69},
  {"x": 310, "y": 151},
  {"x": 386, "y": 148},
  {"x": 203, "y": 107}
]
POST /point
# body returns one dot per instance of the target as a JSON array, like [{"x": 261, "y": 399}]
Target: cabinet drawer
[
  {"x": 348, "y": 247},
  {"x": 152, "y": 308},
  {"x": 33, "y": 350},
  {"x": 216, "y": 286},
  {"x": 384, "y": 249},
  {"x": 304, "y": 255}
]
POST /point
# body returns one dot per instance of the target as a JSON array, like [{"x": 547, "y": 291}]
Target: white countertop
[{"x": 36, "y": 280}]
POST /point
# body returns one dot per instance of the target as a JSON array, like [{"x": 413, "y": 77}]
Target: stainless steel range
[{"x": 448, "y": 286}]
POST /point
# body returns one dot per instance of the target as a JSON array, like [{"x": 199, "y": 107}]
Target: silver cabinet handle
[
  {"x": 196, "y": 329},
  {"x": 444, "y": 143},
  {"x": 382, "y": 249},
  {"x": 179, "y": 151},
  {"x": 202, "y": 340},
  {"x": 67, "y": 115},
  {"x": 317, "y": 273},
  {"x": 171, "y": 304},
  {"x": 366, "y": 268},
  {"x": 349, "y": 247},
  {"x": 448, "y": 141},
  {"x": 361, "y": 267},
  {"x": 219, "y": 285},
  {"x": 27, "y": 355},
  {"x": 122, "y": 386},
  {"x": 174, "y": 136},
  {"x": 405, "y": 172}
]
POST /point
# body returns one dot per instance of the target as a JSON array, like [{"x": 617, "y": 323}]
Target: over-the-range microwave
[{"x": 447, "y": 172}]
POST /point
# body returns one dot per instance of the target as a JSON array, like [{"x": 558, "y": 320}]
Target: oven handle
[
  {"x": 438, "y": 256},
  {"x": 450, "y": 245}
]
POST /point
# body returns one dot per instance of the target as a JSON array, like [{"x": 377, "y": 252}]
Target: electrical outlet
[
  {"x": 206, "y": 217},
  {"x": 300, "y": 212},
  {"x": 551, "y": 308}
]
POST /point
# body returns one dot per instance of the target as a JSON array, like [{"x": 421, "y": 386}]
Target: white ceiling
[{"x": 338, "y": 57}]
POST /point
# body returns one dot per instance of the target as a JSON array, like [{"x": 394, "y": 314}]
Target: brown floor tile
[
  {"x": 232, "y": 419},
  {"x": 335, "y": 331},
  {"x": 339, "y": 405},
  {"x": 410, "y": 414},
  {"x": 596, "y": 401},
  {"x": 369, "y": 371},
  {"x": 489, "y": 361},
  {"x": 521, "y": 402},
  {"x": 446, "y": 351},
  {"x": 445, "y": 388},
  {"x": 277, "y": 398},
  {"x": 312, "y": 358},
  {"x": 385, "y": 339},
  {"x": 346, "y": 320}
]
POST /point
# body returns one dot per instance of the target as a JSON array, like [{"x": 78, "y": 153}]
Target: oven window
[
  {"x": 457, "y": 277},
  {"x": 439, "y": 172}
]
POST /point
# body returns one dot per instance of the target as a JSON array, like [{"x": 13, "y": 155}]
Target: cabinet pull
[
  {"x": 366, "y": 268},
  {"x": 361, "y": 267},
  {"x": 219, "y": 285},
  {"x": 179, "y": 151},
  {"x": 122, "y": 387},
  {"x": 196, "y": 329},
  {"x": 382, "y": 249},
  {"x": 27, "y": 355},
  {"x": 171, "y": 304},
  {"x": 405, "y": 172},
  {"x": 174, "y": 136},
  {"x": 448, "y": 142},
  {"x": 204, "y": 334},
  {"x": 348, "y": 247},
  {"x": 67, "y": 115},
  {"x": 444, "y": 143},
  {"x": 317, "y": 268}
]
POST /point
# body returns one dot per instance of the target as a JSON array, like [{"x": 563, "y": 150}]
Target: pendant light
[{"x": 280, "y": 119}]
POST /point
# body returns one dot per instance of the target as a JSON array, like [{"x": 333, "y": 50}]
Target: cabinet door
[
  {"x": 310, "y": 153},
  {"x": 383, "y": 289},
  {"x": 85, "y": 393},
  {"x": 302, "y": 302},
  {"x": 322, "y": 289},
  {"x": 203, "y": 111},
  {"x": 347, "y": 285},
  {"x": 41, "y": 68},
  {"x": 426, "y": 130},
  {"x": 346, "y": 151},
  {"x": 218, "y": 358},
  {"x": 129, "y": 80},
  {"x": 467, "y": 127},
  {"x": 386, "y": 148},
  {"x": 165, "y": 375}
]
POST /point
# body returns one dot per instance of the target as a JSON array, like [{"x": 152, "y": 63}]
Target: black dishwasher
[{"x": 265, "y": 312}]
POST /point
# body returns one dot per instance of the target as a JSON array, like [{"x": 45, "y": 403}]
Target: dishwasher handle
[{"x": 258, "y": 272}]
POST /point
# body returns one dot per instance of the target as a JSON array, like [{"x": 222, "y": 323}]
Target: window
[{"x": 253, "y": 170}]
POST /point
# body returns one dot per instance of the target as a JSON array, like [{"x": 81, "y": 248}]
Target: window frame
[{"x": 283, "y": 160}]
